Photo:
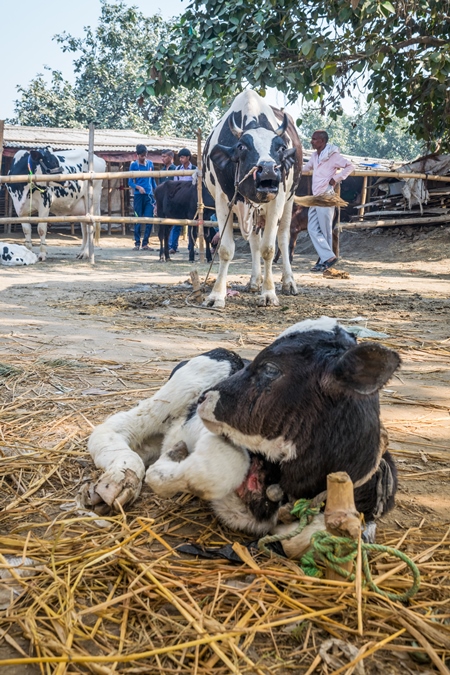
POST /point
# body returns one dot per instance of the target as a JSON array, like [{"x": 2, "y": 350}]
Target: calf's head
[
  {"x": 261, "y": 149},
  {"x": 314, "y": 388}
]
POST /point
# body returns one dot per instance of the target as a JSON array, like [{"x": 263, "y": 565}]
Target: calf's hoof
[
  {"x": 110, "y": 494},
  {"x": 178, "y": 452}
]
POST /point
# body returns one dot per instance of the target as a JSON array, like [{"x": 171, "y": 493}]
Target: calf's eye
[{"x": 271, "y": 371}]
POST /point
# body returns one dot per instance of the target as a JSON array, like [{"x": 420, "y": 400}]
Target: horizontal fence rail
[
  {"x": 106, "y": 219},
  {"x": 63, "y": 177}
]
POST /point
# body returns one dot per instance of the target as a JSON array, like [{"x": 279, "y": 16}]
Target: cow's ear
[
  {"x": 221, "y": 156},
  {"x": 365, "y": 368},
  {"x": 36, "y": 155}
]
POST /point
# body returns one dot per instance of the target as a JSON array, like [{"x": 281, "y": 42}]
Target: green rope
[
  {"x": 305, "y": 513},
  {"x": 333, "y": 552}
]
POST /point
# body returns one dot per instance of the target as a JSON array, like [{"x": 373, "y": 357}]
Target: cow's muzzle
[{"x": 267, "y": 179}]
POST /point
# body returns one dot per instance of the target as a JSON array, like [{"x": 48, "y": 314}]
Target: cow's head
[
  {"x": 45, "y": 159},
  {"x": 314, "y": 386},
  {"x": 260, "y": 154}
]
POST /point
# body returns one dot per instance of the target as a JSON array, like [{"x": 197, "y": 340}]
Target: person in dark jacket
[
  {"x": 143, "y": 198},
  {"x": 185, "y": 163},
  {"x": 168, "y": 165}
]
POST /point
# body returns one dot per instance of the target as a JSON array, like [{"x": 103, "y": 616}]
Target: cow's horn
[
  {"x": 235, "y": 130},
  {"x": 281, "y": 130}
]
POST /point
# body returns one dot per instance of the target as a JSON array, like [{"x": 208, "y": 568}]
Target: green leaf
[{"x": 306, "y": 47}]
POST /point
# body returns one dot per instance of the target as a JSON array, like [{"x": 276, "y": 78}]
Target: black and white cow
[
  {"x": 226, "y": 431},
  {"x": 61, "y": 199},
  {"x": 14, "y": 255},
  {"x": 257, "y": 151},
  {"x": 179, "y": 199}
]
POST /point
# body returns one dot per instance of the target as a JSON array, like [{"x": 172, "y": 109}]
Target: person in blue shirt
[
  {"x": 144, "y": 200},
  {"x": 185, "y": 163}
]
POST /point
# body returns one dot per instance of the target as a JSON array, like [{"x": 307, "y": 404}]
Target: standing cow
[
  {"x": 178, "y": 200},
  {"x": 253, "y": 163},
  {"x": 228, "y": 431},
  {"x": 61, "y": 199}
]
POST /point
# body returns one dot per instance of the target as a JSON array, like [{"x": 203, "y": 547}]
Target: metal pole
[
  {"x": 201, "y": 234},
  {"x": 90, "y": 227}
]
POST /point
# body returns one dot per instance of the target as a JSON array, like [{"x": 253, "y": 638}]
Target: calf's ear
[
  {"x": 366, "y": 368},
  {"x": 221, "y": 156}
]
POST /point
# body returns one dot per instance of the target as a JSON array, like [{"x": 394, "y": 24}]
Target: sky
[{"x": 26, "y": 46}]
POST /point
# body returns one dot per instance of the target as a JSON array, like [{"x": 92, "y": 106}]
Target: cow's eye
[
  {"x": 271, "y": 371},
  {"x": 242, "y": 147},
  {"x": 282, "y": 148}
]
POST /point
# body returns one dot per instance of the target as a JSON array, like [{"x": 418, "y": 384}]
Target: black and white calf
[
  {"x": 14, "y": 254},
  {"x": 62, "y": 199},
  {"x": 178, "y": 200},
  {"x": 248, "y": 437}
]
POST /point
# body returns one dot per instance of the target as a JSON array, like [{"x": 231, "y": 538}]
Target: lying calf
[{"x": 250, "y": 437}]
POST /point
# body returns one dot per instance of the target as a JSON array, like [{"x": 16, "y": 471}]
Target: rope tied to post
[{"x": 330, "y": 551}]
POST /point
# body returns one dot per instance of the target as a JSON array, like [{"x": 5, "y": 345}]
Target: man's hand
[
  {"x": 332, "y": 182},
  {"x": 141, "y": 189}
]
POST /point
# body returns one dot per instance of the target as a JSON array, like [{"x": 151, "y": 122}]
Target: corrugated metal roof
[
  {"x": 125, "y": 140},
  {"x": 105, "y": 140}
]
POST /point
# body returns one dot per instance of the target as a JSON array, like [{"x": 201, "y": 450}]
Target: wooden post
[
  {"x": 109, "y": 188},
  {"x": 90, "y": 227},
  {"x": 2, "y": 132},
  {"x": 363, "y": 196},
  {"x": 341, "y": 516},
  {"x": 196, "y": 290},
  {"x": 336, "y": 228},
  {"x": 201, "y": 234},
  {"x": 122, "y": 200}
]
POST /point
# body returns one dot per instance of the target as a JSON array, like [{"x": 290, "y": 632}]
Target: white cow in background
[{"x": 61, "y": 199}]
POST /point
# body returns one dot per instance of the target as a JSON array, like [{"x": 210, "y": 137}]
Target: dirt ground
[
  {"x": 130, "y": 319},
  {"x": 131, "y": 309}
]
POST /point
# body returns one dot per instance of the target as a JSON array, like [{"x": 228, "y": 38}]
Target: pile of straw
[{"x": 114, "y": 595}]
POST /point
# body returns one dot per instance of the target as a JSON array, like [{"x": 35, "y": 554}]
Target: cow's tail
[
  {"x": 327, "y": 199},
  {"x": 97, "y": 229}
]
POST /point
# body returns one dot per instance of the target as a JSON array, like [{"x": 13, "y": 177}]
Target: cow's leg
[
  {"x": 288, "y": 285},
  {"x": 167, "y": 229},
  {"x": 83, "y": 253},
  {"x": 226, "y": 252},
  {"x": 213, "y": 469},
  {"x": 42, "y": 231},
  {"x": 255, "y": 247},
  {"x": 268, "y": 295},
  {"x": 26, "y": 227},
  {"x": 161, "y": 237}
]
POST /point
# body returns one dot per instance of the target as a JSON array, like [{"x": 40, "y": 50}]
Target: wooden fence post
[
  {"x": 341, "y": 516},
  {"x": 90, "y": 227},
  {"x": 201, "y": 237}
]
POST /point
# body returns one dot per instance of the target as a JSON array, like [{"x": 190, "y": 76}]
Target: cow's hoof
[
  {"x": 108, "y": 493},
  {"x": 28, "y": 245},
  {"x": 289, "y": 289},
  {"x": 162, "y": 259},
  {"x": 42, "y": 257},
  {"x": 214, "y": 301},
  {"x": 267, "y": 300},
  {"x": 178, "y": 452}
]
